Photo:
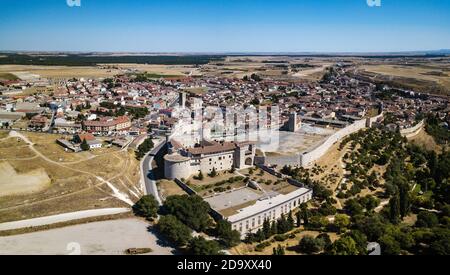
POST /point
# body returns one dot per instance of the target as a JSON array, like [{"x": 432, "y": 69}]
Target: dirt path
[{"x": 116, "y": 192}]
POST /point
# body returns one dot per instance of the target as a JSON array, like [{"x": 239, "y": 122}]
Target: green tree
[
  {"x": 200, "y": 176},
  {"x": 298, "y": 216},
  {"x": 84, "y": 145},
  {"x": 255, "y": 77},
  {"x": 305, "y": 213},
  {"x": 279, "y": 251},
  {"x": 389, "y": 245},
  {"x": 191, "y": 210},
  {"x": 144, "y": 148},
  {"x": 427, "y": 219},
  {"x": 174, "y": 230},
  {"x": 201, "y": 246},
  {"x": 290, "y": 221},
  {"x": 373, "y": 227},
  {"x": 394, "y": 209},
  {"x": 213, "y": 173},
  {"x": 310, "y": 245},
  {"x": 146, "y": 207},
  {"x": 353, "y": 207},
  {"x": 404, "y": 199},
  {"x": 267, "y": 230},
  {"x": 226, "y": 234},
  {"x": 341, "y": 222},
  {"x": 318, "y": 222},
  {"x": 344, "y": 246},
  {"x": 273, "y": 228},
  {"x": 325, "y": 238},
  {"x": 360, "y": 240}
]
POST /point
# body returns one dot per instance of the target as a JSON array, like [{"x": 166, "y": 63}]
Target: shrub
[
  {"x": 281, "y": 238},
  {"x": 260, "y": 247}
]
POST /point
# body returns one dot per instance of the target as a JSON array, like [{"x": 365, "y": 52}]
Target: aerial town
[
  {"x": 243, "y": 130},
  {"x": 264, "y": 171}
]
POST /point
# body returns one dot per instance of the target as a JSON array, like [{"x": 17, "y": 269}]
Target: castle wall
[
  {"x": 177, "y": 170},
  {"x": 308, "y": 158},
  {"x": 410, "y": 132},
  {"x": 221, "y": 162}
]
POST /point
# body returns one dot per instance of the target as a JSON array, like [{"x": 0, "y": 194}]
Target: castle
[{"x": 182, "y": 163}]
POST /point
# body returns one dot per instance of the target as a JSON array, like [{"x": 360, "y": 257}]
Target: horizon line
[{"x": 441, "y": 51}]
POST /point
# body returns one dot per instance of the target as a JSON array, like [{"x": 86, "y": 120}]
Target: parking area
[{"x": 98, "y": 238}]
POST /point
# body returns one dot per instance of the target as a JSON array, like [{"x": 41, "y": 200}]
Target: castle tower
[
  {"x": 182, "y": 100},
  {"x": 293, "y": 124}
]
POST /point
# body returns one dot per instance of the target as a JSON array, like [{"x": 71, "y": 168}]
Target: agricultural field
[
  {"x": 170, "y": 70},
  {"x": 268, "y": 67},
  {"x": 432, "y": 77},
  {"x": 58, "y": 72},
  {"x": 8, "y": 76}
]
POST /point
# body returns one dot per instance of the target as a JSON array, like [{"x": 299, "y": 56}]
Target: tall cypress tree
[
  {"x": 290, "y": 221},
  {"x": 404, "y": 199},
  {"x": 394, "y": 207},
  {"x": 266, "y": 228},
  {"x": 299, "y": 219}
]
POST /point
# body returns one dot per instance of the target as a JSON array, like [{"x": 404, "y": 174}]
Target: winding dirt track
[{"x": 101, "y": 180}]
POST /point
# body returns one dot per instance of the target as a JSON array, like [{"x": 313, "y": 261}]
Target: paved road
[
  {"x": 149, "y": 177},
  {"x": 61, "y": 218}
]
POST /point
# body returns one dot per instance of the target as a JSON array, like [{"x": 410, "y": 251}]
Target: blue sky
[{"x": 225, "y": 25}]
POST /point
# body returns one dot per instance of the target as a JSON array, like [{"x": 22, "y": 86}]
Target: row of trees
[
  {"x": 183, "y": 214},
  {"x": 118, "y": 110},
  {"x": 144, "y": 148},
  {"x": 281, "y": 226}
]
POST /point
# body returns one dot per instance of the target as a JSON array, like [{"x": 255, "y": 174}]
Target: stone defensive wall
[
  {"x": 308, "y": 158},
  {"x": 413, "y": 131}
]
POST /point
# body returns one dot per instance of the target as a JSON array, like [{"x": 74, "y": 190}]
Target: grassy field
[
  {"x": 8, "y": 76},
  {"x": 268, "y": 67},
  {"x": 424, "y": 140},
  {"x": 174, "y": 70},
  {"x": 98, "y": 179},
  {"x": 169, "y": 188}
]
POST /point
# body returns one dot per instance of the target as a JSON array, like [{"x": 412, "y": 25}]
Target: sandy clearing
[
  {"x": 99, "y": 238},
  {"x": 12, "y": 183}
]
